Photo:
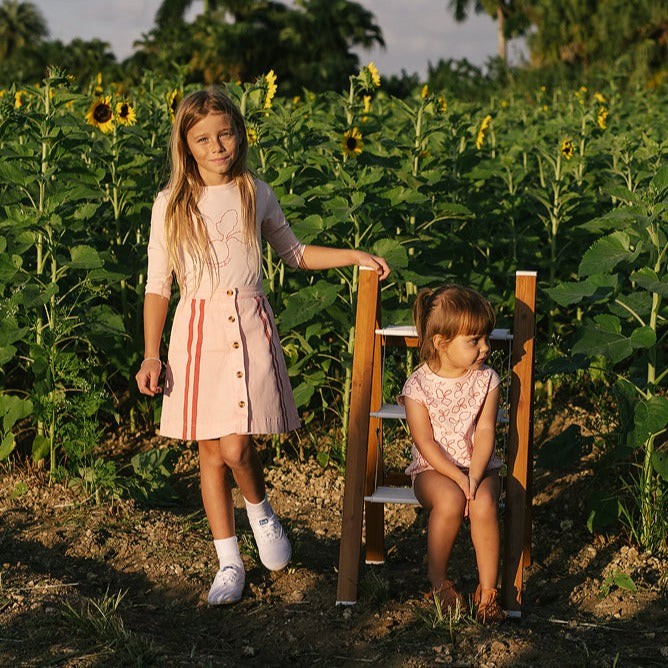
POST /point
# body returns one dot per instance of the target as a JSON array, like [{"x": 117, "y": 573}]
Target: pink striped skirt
[{"x": 226, "y": 372}]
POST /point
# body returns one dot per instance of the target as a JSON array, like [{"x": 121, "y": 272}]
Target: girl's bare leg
[
  {"x": 485, "y": 530},
  {"x": 446, "y": 502},
  {"x": 216, "y": 489},
  {"x": 241, "y": 457}
]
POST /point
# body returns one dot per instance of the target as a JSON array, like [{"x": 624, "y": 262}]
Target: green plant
[
  {"x": 435, "y": 618},
  {"x": 99, "y": 619},
  {"x": 627, "y": 324},
  {"x": 616, "y": 579}
]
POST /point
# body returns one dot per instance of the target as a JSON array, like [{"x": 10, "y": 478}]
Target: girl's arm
[
  {"x": 155, "y": 314},
  {"x": 322, "y": 257},
  {"x": 483, "y": 439},
  {"x": 423, "y": 437}
]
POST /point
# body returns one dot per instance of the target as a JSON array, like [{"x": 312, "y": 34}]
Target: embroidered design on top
[{"x": 224, "y": 231}]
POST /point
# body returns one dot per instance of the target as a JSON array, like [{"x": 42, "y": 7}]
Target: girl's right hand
[
  {"x": 463, "y": 482},
  {"x": 147, "y": 377}
]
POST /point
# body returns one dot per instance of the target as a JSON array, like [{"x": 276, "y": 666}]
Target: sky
[{"x": 416, "y": 32}]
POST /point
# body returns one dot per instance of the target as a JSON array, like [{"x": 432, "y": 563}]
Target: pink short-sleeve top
[{"x": 454, "y": 405}]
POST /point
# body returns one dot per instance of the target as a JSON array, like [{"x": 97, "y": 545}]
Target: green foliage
[
  {"x": 446, "y": 189},
  {"x": 100, "y": 621},
  {"x": 627, "y": 321},
  {"x": 617, "y": 579}
]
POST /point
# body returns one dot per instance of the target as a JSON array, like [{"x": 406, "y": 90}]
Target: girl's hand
[
  {"x": 147, "y": 377},
  {"x": 463, "y": 482},
  {"x": 473, "y": 486},
  {"x": 374, "y": 262}
]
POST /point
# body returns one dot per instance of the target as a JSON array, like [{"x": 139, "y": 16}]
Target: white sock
[
  {"x": 258, "y": 511},
  {"x": 227, "y": 550}
]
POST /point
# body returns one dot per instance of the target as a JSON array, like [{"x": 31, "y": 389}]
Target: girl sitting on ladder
[{"x": 451, "y": 404}]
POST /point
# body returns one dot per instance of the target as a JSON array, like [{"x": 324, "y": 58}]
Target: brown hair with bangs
[{"x": 450, "y": 310}]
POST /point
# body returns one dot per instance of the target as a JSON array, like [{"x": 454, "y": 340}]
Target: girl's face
[
  {"x": 464, "y": 352},
  {"x": 212, "y": 142}
]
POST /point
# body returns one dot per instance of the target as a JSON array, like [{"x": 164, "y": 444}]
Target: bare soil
[{"x": 121, "y": 584}]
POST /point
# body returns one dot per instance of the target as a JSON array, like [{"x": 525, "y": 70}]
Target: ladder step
[
  {"x": 410, "y": 331},
  {"x": 390, "y": 412},
  {"x": 392, "y": 495},
  {"x": 397, "y": 412}
]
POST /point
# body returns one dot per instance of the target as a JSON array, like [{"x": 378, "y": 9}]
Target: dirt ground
[{"x": 121, "y": 584}]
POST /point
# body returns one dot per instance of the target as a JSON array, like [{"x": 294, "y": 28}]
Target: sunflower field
[{"x": 571, "y": 183}]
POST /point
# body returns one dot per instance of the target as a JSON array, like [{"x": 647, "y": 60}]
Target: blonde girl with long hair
[{"x": 225, "y": 374}]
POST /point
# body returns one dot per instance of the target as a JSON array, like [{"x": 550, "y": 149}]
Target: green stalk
[{"x": 648, "y": 483}]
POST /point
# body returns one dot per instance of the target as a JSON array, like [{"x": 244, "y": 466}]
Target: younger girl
[
  {"x": 451, "y": 403},
  {"x": 225, "y": 375}
]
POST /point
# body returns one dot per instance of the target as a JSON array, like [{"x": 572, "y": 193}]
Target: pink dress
[
  {"x": 225, "y": 372},
  {"x": 454, "y": 405}
]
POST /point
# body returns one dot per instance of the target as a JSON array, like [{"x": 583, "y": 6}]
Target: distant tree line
[{"x": 310, "y": 42}]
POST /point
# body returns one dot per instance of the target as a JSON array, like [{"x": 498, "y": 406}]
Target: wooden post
[
  {"x": 517, "y": 548},
  {"x": 374, "y": 513},
  {"x": 358, "y": 434}
]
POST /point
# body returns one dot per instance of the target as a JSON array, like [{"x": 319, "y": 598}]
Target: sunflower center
[
  {"x": 125, "y": 111},
  {"x": 351, "y": 143},
  {"x": 102, "y": 113}
]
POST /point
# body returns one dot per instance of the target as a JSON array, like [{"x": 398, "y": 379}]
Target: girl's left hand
[
  {"x": 374, "y": 262},
  {"x": 473, "y": 487}
]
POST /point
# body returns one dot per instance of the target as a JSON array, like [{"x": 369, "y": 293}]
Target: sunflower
[
  {"x": 100, "y": 114},
  {"x": 98, "y": 83},
  {"x": 601, "y": 118},
  {"x": 125, "y": 113},
  {"x": 441, "y": 104},
  {"x": 252, "y": 135},
  {"x": 270, "y": 80},
  {"x": 481, "y": 132},
  {"x": 18, "y": 99},
  {"x": 351, "y": 143},
  {"x": 369, "y": 78},
  {"x": 599, "y": 97},
  {"x": 375, "y": 75},
  {"x": 366, "y": 102},
  {"x": 424, "y": 94},
  {"x": 174, "y": 98},
  {"x": 567, "y": 149}
]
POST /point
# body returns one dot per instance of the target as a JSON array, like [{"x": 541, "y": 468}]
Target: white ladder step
[
  {"x": 398, "y": 412},
  {"x": 390, "y": 412},
  {"x": 392, "y": 495},
  {"x": 409, "y": 330}
]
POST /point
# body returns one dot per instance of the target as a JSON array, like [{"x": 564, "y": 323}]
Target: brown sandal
[
  {"x": 449, "y": 598},
  {"x": 489, "y": 611}
]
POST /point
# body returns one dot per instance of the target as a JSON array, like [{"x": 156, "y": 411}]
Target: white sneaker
[
  {"x": 227, "y": 585},
  {"x": 272, "y": 543}
]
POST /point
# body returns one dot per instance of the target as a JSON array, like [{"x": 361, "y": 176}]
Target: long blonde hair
[
  {"x": 450, "y": 310},
  {"x": 185, "y": 228}
]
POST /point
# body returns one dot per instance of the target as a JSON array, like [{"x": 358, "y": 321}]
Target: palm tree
[
  {"x": 171, "y": 11},
  {"x": 21, "y": 24},
  {"x": 502, "y": 10}
]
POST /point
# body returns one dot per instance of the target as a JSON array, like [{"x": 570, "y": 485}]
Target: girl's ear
[{"x": 439, "y": 342}]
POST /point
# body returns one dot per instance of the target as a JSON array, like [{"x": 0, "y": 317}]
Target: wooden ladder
[{"x": 368, "y": 487}]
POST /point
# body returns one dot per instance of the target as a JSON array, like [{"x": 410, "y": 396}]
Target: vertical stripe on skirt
[{"x": 197, "y": 356}]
